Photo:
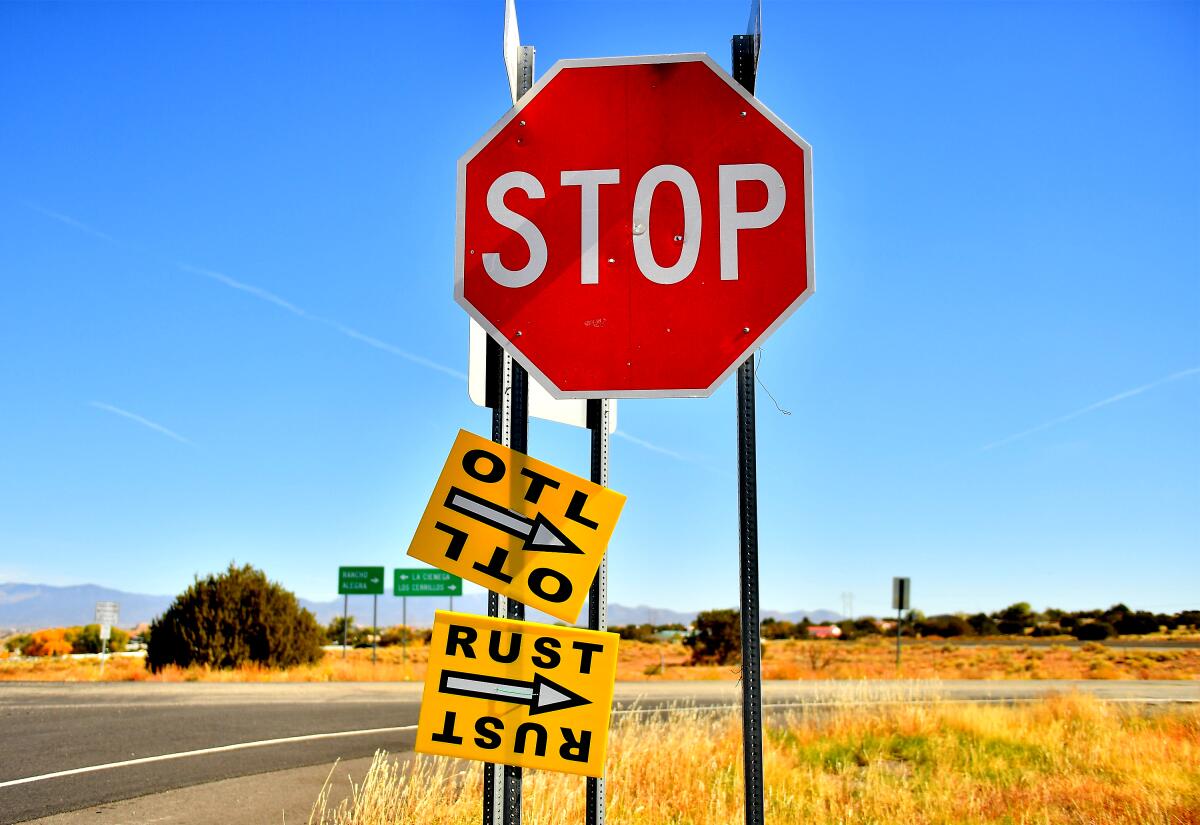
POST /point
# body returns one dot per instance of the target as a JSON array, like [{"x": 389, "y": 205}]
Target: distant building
[{"x": 824, "y": 631}]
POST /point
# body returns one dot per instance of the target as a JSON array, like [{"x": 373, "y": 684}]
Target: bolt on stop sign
[{"x": 634, "y": 227}]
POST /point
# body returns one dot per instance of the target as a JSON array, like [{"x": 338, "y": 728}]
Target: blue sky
[{"x": 226, "y": 250}]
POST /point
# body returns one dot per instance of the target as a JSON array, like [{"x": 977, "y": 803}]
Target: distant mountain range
[{"x": 33, "y": 606}]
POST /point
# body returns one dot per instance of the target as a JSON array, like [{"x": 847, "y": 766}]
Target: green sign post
[
  {"x": 422, "y": 581},
  {"x": 367, "y": 581}
]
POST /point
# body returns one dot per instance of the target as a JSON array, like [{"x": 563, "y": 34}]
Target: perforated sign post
[
  {"x": 901, "y": 593},
  {"x": 517, "y": 526},
  {"x": 518, "y": 693},
  {"x": 367, "y": 581}
]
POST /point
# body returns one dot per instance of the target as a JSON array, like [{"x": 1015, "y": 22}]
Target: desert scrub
[{"x": 1067, "y": 759}]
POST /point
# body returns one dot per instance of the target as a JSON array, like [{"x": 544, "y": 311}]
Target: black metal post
[
  {"x": 374, "y": 626},
  {"x": 744, "y": 68},
  {"x": 597, "y": 421},
  {"x": 345, "y": 621},
  {"x": 497, "y": 387},
  {"x": 516, "y": 610},
  {"x": 899, "y": 624}
]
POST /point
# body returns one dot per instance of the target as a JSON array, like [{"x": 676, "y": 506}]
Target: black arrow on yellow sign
[
  {"x": 539, "y": 532},
  {"x": 541, "y": 694}
]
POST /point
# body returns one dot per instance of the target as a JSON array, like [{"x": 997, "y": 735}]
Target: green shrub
[
  {"x": 87, "y": 639},
  {"x": 234, "y": 618},
  {"x": 717, "y": 638},
  {"x": 1093, "y": 631}
]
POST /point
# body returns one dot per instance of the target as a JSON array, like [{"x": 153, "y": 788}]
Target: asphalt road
[{"x": 56, "y": 728}]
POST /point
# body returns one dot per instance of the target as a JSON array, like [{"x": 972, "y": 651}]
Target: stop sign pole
[
  {"x": 745, "y": 69},
  {"x": 510, "y": 427}
]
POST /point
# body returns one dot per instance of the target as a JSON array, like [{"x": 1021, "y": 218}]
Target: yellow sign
[
  {"x": 516, "y": 525},
  {"x": 518, "y": 693}
]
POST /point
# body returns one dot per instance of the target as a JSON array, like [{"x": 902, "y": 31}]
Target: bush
[
  {"x": 1136, "y": 624},
  {"x": 87, "y": 639},
  {"x": 1093, "y": 631},
  {"x": 399, "y": 635},
  {"x": 17, "y": 643},
  {"x": 947, "y": 627},
  {"x": 52, "y": 642},
  {"x": 866, "y": 627},
  {"x": 1011, "y": 627},
  {"x": 635, "y": 632},
  {"x": 333, "y": 631},
  {"x": 717, "y": 638},
  {"x": 776, "y": 629},
  {"x": 983, "y": 624},
  {"x": 234, "y": 618}
]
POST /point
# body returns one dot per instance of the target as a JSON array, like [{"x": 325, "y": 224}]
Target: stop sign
[{"x": 634, "y": 227}]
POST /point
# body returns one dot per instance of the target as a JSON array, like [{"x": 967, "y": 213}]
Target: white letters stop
[{"x": 589, "y": 181}]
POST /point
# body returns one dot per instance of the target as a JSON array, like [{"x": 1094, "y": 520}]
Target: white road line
[{"x": 203, "y": 752}]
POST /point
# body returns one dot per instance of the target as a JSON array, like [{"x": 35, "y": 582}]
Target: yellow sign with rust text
[
  {"x": 516, "y": 525},
  {"x": 518, "y": 693}
]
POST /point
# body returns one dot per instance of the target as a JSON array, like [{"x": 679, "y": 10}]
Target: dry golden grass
[
  {"x": 1066, "y": 759},
  {"x": 639, "y": 661}
]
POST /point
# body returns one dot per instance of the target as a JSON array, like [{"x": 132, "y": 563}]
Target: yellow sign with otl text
[
  {"x": 518, "y": 693},
  {"x": 516, "y": 525}
]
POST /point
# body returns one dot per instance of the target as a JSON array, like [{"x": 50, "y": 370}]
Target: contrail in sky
[
  {"x": 145, "y": 422},
  {"x": 271, "y": 298},
  {"x": 633, "y": 439},
  {"x": 69, "y": 221},
  {"x": 1121, "y": 396}
]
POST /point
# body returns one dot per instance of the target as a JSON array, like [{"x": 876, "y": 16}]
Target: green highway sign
[
  {"x": 425, "y": 582},
  {"x": 360, "y": 580}
]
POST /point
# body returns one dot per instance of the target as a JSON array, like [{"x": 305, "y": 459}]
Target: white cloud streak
[
  {"x": 271, "y": 298},
  {"x": 654, "y": 448},
  {"x": 145, "y": 422},
  {"x": 1062, "y": 419},
  {"x": 250, "y": 289},
  {"x": 71, "y": 222}
]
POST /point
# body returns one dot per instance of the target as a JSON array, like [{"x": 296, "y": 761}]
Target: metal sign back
[{"x": 543, "y": 405}]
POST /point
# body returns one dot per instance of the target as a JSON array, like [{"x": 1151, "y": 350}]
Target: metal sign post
[
  {"x": 901, "y": 592},
  {"x": 599, "y": 414},
  {"x": 745, "y": 67},
  {"x": 369, "y": 582},
  {"x": 510, "y": 427},
  {"x": 107, "y": 615}
]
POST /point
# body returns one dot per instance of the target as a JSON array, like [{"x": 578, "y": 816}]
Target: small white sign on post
[{"x": 107, "y": 615}]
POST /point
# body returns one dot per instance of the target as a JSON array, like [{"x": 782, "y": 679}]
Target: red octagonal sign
[{"x": 634, "y": 227}]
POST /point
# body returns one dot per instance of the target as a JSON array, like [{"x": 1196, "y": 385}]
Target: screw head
[
  {"x": 741, "y": 114},
  {"x": 744, "y": 330},
  {"x": 522, "y": 123},
  {"x": 639, "y": 229},
  {"x": 517, "y": 334}
]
